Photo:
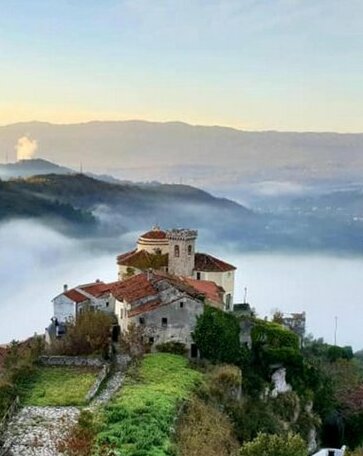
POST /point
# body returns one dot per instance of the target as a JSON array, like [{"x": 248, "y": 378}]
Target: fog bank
[{"x": 35, "y": 262}]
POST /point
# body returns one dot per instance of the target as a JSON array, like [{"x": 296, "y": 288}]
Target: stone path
[
  {"x": 34, "y": 430},
  {"x": 114, "y": 383}
]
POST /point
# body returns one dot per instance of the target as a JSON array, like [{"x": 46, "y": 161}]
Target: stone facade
[{"x": 181, "y": 252}]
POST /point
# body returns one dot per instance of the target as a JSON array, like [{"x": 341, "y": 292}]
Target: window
[
  {"x": 190, "y": 249},
  {"x": 142, "y": 320},
  {"x": 122, "y": 313},
  {"x": 164, "y": 322},
  {"x": 176, "y": 251},
  {"x": 181, "y": 304},
  {"x": 107, "y": 303},
  {"x": 199, "y": 275},
  {"x": 228, "y": 301},
  {"x": 151, "y": 340}
]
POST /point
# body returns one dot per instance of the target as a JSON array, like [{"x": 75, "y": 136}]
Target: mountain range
[
  {"x": 86, "y": 206},
  {"x": 198, "y": 155}
]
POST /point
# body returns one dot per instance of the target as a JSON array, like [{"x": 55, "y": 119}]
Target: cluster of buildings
[{"x": 163, "y": 285}]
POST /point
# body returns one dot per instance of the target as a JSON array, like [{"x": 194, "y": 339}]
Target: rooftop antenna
[
  {"x": 245, "y": 296},
  {"x": 335, "y": 330}
]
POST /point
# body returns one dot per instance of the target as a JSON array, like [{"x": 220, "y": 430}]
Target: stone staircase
[{"x": 34, "y": 431}]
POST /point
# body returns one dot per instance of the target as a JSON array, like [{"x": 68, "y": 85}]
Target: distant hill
[
  {"x": 123, "y": 207},
  {"x": 27, "y": 168},
  {"x": 202, "y": 156},
  {"x": 79, "y": 203}
]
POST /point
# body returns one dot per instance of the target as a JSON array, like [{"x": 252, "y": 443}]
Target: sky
[{"x": 249, "y": 64}]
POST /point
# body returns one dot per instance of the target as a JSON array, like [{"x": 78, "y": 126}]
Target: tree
[
  {"x": 217, "y": 336},
  {"x": 275, "y": 445},
  {"x": 89, "y": 334}
]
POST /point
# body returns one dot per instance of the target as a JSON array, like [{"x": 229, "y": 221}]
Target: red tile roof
[
  {"x": 96, "y": 289},
  {"x": 208, "y": 263},
  {"x": 147, "y": 307},
  {"x": 155, "y": 233},
  {"x": 134, "y": 288},
  {"x": 141, "y": 259},
  {"x": 75, "y": 295},
  {"x": 145, "y": 287},
  {"x": 208, "y": 288}
]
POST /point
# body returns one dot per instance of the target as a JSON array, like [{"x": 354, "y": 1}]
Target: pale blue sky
[{"x": 253, "y": 64}]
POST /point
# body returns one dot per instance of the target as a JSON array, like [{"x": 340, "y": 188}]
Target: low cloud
[{"x": 26, "y": 148}]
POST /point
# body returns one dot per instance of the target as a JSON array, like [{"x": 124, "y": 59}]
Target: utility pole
[
  {"x": 335, "y": 330},
  {"x": 245, "y": 296}
]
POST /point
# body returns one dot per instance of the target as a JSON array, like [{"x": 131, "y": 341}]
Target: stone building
[
  {"x": 165, "y": 306},
  {"x": 92, "y": 296},
  {"x": 174, "y": 251}
]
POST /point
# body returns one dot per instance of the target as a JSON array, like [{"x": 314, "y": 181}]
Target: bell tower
[{"x": 181, "y": 251}]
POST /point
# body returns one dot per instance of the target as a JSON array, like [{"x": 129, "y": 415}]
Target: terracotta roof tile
[
  {"x": 75, "y": 295},
  {"x": 210, "y": 289},
  {"x": 208, "y": 263},
  {"x": 134, "y": 288},
  {"x": 141, "y": 259},
  {"x": 147, "y": 307},
  {"x": 156, "y": 233},
  {"x": 96, "y": 289}
]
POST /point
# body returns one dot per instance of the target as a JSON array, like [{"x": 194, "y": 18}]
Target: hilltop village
[
  {"x": 163, "y": 285},
  {"x": 263, "y": 382}
]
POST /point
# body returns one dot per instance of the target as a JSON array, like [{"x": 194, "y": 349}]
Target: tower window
[
  {"x": 142, "y": 320},
  {"x": 190, "y": 249},
  {"x": 176, "y": 251},
  {"x": 164, "y": 322}
]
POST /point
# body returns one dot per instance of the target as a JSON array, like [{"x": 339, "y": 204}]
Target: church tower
[{"x": 181, "y": 251}]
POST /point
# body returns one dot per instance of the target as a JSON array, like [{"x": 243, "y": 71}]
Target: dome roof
[{"x": 155, "y": 233}]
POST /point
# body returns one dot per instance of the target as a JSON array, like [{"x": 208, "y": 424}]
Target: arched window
[
  {"x": 176, "y": 251},
  {"x": 190, "y": 249}
]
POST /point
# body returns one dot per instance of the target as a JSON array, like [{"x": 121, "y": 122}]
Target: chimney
[
  {"x": 149, "y": 274},
  {"x": 65, "y": 288}
]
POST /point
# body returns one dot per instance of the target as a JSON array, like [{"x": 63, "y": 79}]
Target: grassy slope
[
  {"x": 56, "y": 386},
  {"x": 139, "y": 420}
]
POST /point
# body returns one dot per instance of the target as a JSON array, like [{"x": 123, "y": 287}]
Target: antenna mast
[
  {"x": 245, "y": 296},
  {"x": 335, "y": 330}
]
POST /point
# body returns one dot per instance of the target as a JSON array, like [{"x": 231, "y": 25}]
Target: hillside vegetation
[{"x": 139, "y": 420}]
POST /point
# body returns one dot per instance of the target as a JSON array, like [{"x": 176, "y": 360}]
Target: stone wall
[
  {"x": 99, "y": 380},
  {"x": 76, "y": 361}
]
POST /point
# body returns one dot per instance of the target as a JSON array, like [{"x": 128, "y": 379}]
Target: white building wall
[
  {"x": 121, "y": 312},
  {"x": 222, "y": 279},
  {"x": 64, "y": 308}
]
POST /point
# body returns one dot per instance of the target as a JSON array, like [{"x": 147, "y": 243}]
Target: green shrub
[
  {"x": 286, "y": 406},
  {"x": 204, "y": 430},
  {"x": 275, "y": 445},
  {"x": 217, "y": 336},
  {"x": 177, "y": 348}
]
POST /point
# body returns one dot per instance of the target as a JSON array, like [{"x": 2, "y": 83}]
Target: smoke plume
[{"x": 26, "y": 148}]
